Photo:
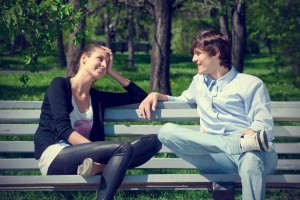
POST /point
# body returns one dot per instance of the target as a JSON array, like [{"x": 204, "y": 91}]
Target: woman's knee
[
  {"x": 149, "y": 138},
  {"x": 156, "y": 142},
  {"x": 125, "y": 147},
  {"x": 147, "y": 143}
]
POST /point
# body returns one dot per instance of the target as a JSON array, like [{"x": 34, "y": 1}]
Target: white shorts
[{"x": 50, "y": 154}]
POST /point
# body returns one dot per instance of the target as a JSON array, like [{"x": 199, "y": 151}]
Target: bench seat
[{"x": 137, "y": 182}]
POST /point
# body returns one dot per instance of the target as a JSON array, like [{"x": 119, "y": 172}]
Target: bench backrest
[{"x": 18, "y": 122}]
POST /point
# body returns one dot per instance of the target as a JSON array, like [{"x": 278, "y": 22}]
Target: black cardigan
[{"x": 55, "y": 123}]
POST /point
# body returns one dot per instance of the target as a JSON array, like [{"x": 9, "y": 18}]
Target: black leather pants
[{"x": 118, "y": 156}]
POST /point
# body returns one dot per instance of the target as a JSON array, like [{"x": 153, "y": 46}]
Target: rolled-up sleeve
[{"x": 259, "y": 105}]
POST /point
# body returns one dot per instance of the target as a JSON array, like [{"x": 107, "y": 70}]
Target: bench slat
[
  {"x": 38, "y": 104},
  {"x": 20, "y": 104},
  {"x": 154, "y": 163},
  {"x": 129, "y": 130},
  {"x": 32, "y": 116},
  {"x": 169, "y": 105},
  {"x": 26, "y": 116},
  {"x": 28, "y": 147},
  {"x": 17, "y": 129},
  {"x": 280, "y": 112},
  {"x": 150, "y": 181}
]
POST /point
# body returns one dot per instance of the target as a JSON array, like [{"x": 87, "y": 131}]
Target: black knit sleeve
[
  {"x": 134, "y": 94},
  {"x": 60, "y": 103}
]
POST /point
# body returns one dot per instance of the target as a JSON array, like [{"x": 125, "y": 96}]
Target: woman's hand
[
  {"x": 109, "y": 70},
  {"x": 109, "y": 62}
]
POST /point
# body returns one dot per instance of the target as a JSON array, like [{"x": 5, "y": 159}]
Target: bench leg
[{"x": 221, "y": 191}]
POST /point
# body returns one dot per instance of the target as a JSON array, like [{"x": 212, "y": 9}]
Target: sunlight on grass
[{"x": 280, "y": 81}]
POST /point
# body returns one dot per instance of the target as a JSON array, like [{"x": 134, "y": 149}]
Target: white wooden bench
[{"x": 18, "y": 122}]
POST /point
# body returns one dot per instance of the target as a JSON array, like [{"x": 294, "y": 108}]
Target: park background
[{"x": 39, "y": 39}]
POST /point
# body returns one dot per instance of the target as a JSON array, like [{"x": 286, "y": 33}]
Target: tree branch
[
  {"x": 101, "y": 5},
  {"x": 179, "y": 4}
]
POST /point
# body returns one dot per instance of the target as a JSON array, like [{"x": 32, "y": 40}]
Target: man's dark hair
[{"x": 213, "y": 42}]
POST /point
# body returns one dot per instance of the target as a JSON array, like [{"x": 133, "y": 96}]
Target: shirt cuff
[{"x": 170, "y": 98}]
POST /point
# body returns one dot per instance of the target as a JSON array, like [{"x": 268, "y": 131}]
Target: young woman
[{"x": 70, "y": 136}]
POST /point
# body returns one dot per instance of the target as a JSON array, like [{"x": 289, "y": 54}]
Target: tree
[
  {"x": 60, "y": 47},
  {"x": 78, "y": 35},
  {"x": 36, "y": 21},
  {"x": 107, "y": 31},
  {"x": 189, "y": 20},
  {"x": 223, "y": 20},
  {"x": 75, "y": 46},
  {"x": 276, "y": 25},
  {"x": 126, "y": 26},
  {"x": 238, "y": 33},
  {"x": 160, "y": 57},
  {"x": 130, "y": 39}
]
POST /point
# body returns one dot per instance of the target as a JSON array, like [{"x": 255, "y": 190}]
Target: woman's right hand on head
[{"x": 110, "y": 59}]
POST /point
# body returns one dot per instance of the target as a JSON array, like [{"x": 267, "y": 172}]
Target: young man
[{"x": 236, "y": 124}]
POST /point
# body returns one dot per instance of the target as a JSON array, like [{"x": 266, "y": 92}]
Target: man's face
[{"x": 206, "y": 64}]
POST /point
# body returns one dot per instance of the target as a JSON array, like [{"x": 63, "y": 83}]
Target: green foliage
[
  {"x": 276, "y": 24},
  {"x": 198, "y": 16},
  {"x": 38, "y": 23}
]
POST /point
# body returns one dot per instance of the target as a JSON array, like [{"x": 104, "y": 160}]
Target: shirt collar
[{"x": 209, "y": 81}]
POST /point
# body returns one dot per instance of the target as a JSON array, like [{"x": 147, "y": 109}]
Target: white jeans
[{"x": 221, "y": 154}]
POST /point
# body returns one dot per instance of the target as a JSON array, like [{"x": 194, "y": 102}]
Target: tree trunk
[
  {"x": 107, "y": 29},
  {"x": 60, "y": 48},
  {"x": 74, "y": 50},
  {"x": 224, "y": 25},
  {"x": 223, "y": 21},
  {"x": 238, "y": 34},
  {"x": 130, "y": 15},
  {"x": 160, "y": 58},
  {"x": 269, "y": 45}
]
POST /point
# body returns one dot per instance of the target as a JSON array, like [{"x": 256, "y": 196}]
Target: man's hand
[
  {"x": 148, "y": 105},
  {"x": 249, "y": 132}
]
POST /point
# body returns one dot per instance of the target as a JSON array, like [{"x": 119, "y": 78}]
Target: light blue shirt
[{"x": 233, "y": 103}]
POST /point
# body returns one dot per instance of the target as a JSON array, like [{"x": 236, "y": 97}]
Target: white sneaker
[
  {"x": 87, "y": 168},
  {"x": 255, "y": 142}
]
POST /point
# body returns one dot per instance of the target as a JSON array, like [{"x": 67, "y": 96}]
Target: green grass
[
  {"x": 280, "y": 81},
  {"x": 140, "y": 195}
]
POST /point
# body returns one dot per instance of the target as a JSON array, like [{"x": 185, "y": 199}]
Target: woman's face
[{"x": 96, "y": 64}]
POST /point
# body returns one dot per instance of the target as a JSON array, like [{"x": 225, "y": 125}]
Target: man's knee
[
  {"x": 166, "y": 131},
  {"x": 251, "y": 164}
]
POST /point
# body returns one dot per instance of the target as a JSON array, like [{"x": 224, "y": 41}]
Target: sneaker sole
[
  {"x": 263, "y": 141},
  {"x": 86, "y": 167}
]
